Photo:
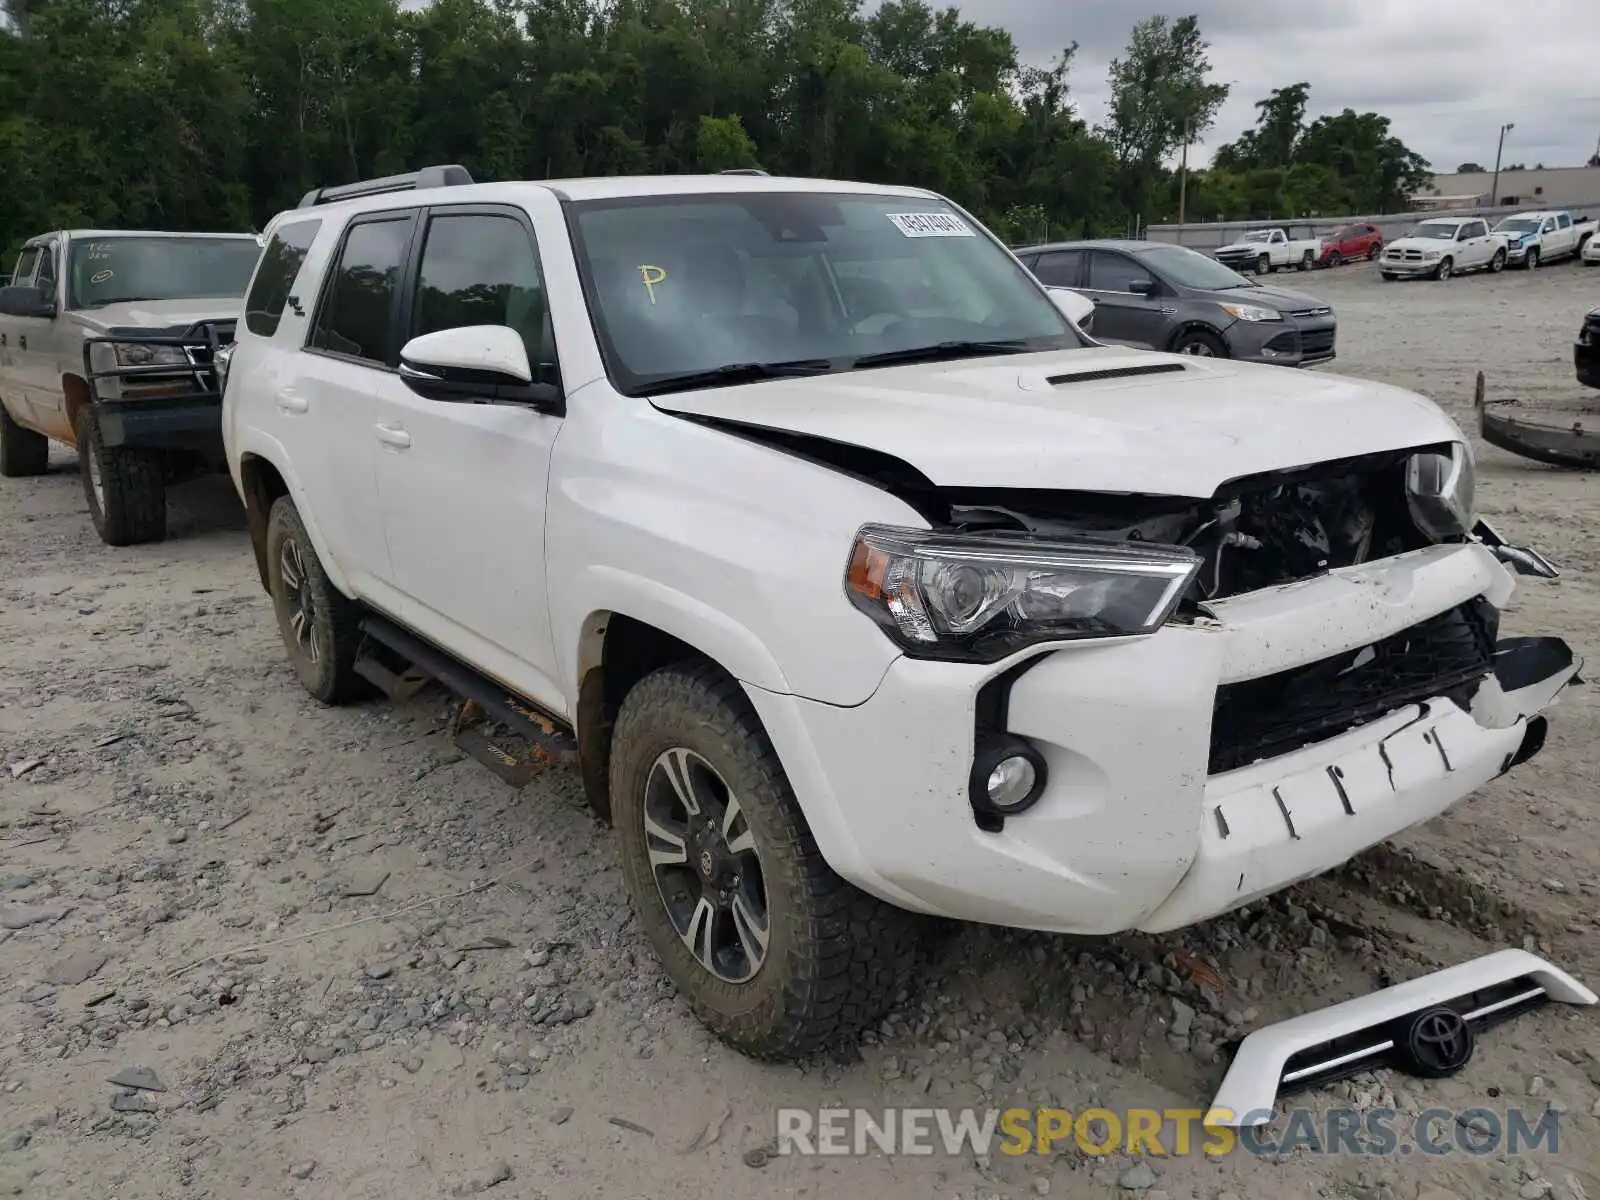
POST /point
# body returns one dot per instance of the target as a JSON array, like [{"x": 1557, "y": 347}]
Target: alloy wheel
[
  {"x": 1197, "y": 349},
  {"x": 302, "y": 604},
  {"x": 707, "y": 865}
]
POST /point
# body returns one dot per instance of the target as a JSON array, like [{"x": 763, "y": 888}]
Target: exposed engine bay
[{"x": 1256, "y": 532}]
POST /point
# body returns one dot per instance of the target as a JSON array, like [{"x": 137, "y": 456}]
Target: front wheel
[
  {"x": 1263, "y": 265},
  {"x": 1498, "y": 262},
  {"x": 22, "y": 451},
  {"x": 1445, "y": 269},
  {"x": 1373, "y": 251},
  {"x": 126, "y": 487},
  {"x": 1200, "y": 343},
  {"x": 778, "y": 956},
  {"x": 1335, "y": 259},
  {"x": 320, "y": 626},
  {"x": 1531, "y": 263}
]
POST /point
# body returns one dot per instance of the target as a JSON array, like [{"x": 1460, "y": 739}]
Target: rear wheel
[
  {"x": 22, "y": 451},
  {"x": 321, "y": 627},
  {"x": 776, "y": 954},
  {"x": 126, "y": 486},
  {"x": 1373, "y": 251},
  {"x": 1200, "y": 343},
  {"x": 1307, "y": 261}
]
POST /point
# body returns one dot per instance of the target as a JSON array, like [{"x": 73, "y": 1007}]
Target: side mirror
[
  {"x": 1142, "y": 287},
  {"x": 475, "y": 364},
  {"x": 26, "y": 300},
  {"x": 1074, "y": 307}
]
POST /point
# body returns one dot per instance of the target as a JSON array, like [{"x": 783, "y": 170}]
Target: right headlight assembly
[
  {"x": 980, "y": 597},
  {"x": 1441, "y": 491}
]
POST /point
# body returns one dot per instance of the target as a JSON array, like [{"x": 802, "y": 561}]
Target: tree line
[{"x": 215, "y": 114}]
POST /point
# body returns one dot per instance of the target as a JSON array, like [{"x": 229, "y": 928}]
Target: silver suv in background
[{"x": 1165, "y": 297}]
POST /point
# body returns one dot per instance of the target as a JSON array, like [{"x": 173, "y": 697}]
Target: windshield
[
  {"x": 1342, "y": 234},
  {"x": 1191, "y": 269},
  {"x": 1437, "y": 233},
  {"x": 683, "y": 285},
  {"x": 118, "y": 269},
  {"x": 1257, "y": 235},
  {"x": 1518, "y": 225}
]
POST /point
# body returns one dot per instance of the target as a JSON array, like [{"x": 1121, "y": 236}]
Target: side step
[{"x": 400, "y": 663}]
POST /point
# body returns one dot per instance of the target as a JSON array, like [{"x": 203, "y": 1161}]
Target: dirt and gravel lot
[{"x": 360, "y": 966}]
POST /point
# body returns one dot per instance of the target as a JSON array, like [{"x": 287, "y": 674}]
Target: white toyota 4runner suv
[{"x": 861, "y": 585}]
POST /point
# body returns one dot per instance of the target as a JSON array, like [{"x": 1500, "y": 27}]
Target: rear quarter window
[{"x": 274, "y": 282}]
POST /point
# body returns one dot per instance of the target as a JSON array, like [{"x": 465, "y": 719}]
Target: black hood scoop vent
[{"x": 1160, "y": 368}]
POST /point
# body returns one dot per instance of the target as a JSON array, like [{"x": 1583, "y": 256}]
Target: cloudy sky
[{"x": 1447, "y": 75}]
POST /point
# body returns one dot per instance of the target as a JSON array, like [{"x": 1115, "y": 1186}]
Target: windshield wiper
[
  {"x": 944, "y": 350},
  {"x": 732, "y": 373},
  {"x": 123, "y": 300}
]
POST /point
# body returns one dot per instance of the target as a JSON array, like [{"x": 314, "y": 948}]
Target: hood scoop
[{"x": 1158, "y": 368}]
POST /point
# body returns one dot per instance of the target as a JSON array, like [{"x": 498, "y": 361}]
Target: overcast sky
[{"x": 1447, "y": 75}]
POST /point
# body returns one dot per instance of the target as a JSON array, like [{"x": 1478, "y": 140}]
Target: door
[
  {"x": 462, "y": 485},
  {"x": 52, "y": 347},
  {"x": 29, "y": 349},
  {"x": 323, "y": 402},
  {"x": 1557, "y": 241},
  {"x": 1129, "y": 307},
  {"x": 13, "y": 370}
]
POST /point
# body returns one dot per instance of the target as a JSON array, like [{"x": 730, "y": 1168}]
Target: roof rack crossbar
[{"x": 450, "y": 175}]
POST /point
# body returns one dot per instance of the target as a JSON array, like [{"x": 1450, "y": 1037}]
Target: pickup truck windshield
[
  {"x": 1518, "y": 225},
  {"x": 1189, "y": 268},
  {"x": 115, "y": 270},
  {"x": 1258, "y": 235},
  {"x": 1438, "y": 233},
  {"x": 703, "y": 290}
]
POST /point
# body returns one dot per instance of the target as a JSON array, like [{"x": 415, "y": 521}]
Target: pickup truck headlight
[
  {"x": 1441, "y": 491},
  {"x": 1251, "y": 312},
  {"x": 1431, "y": 255},
  {"x": 979, "y": 597},
  {"x": 138, "y": 354}
]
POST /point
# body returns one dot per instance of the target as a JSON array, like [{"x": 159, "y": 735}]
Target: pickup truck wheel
[
  {"x": 22, "y": 451},
  {"x": 126, "y": 487},
  {"x": 1531, "y": 263},
  {"x": 1307, "y": 261},
  {"x": 1498, "y": 262},
  {"x": 321, "y": 627},
  {"x": 1263, "y": 265},
  {"x": 1444, "y": 269},
  {"x": 778, "y": 956}
]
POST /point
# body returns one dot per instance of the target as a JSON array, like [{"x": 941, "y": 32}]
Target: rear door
[
  {"x": 1060, "y": 268},
  {"x": 13, "y": 376},
  {"x": 1121, "y": 313}
]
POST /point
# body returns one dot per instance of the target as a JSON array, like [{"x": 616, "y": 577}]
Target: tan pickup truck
[{"x": 106, "y": 345}]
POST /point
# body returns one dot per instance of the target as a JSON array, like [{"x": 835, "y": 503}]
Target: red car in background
[{"x": 1348, "y": 243}]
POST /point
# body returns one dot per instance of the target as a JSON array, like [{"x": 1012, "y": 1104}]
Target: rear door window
[
  {"x": 359, "y": 314},
  {"x": 1060, "y": 268}
]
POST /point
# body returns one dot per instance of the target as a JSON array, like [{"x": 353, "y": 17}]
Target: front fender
[{"x": 253, "y": 443}]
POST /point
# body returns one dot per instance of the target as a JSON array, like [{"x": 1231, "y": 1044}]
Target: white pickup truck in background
[
  {"x": 1265, "y": 250},
  {"x": 1544, "y": 237}
]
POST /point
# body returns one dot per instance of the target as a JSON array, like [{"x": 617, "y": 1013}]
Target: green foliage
[{"x": 215, "y": 114}]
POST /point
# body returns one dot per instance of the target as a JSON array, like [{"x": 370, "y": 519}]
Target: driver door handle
[
  {"x": 291, "y": 401},
  {"x": 393, "y": 435}
]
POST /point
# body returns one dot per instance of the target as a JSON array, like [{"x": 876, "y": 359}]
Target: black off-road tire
[
  {"x": 835, "y": 957},
  {"x": 129, "y": 507},
  {"x": 334, "y": 619},
  {"x": 22, "y": 451}
]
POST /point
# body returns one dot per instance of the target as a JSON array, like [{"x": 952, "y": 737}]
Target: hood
[
  {"x": 1284, "y": 299},
  {"x": 1022, "y": 422},
  {"x": 154, "y": 316},
  {"x": 1231, "y": 246}
]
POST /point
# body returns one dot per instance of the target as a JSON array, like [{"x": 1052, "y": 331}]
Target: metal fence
[{"x": 1210, "y": 235}]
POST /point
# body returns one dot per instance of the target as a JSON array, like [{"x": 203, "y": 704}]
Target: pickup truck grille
[
  {"x": 1447, "y": 655},
  {"x": 1406, "y": 255}
]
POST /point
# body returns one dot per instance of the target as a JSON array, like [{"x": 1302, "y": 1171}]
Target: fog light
[
  {"x": 1008, "y": 777},
  {"x": 1011, "y": 782}
]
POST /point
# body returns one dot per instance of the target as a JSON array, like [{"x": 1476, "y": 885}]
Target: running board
[
  {"x": 551, "y": 741},
  {"x": 1425, "y": 1027}
]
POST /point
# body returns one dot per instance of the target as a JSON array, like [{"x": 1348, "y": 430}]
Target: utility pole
[
  {"x": 1183, "y": 181},
  {"x": 1494, "y": 188}
]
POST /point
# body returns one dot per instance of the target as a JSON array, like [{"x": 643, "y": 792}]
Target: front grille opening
[{"x": 1448, "y": 655}]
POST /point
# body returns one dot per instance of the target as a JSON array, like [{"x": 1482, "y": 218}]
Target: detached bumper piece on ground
[
  {"x": 1548, "y": 437},
  {"x": 1426, "y": 1027}
]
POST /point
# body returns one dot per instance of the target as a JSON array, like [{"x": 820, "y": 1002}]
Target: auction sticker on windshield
[{"x": 932, "y": 224}]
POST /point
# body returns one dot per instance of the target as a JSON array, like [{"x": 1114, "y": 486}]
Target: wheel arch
[
  {"x": 262, "y": 479},
  {"x": 77, "y": 396},
  {"x": 1194, "y": 325}
]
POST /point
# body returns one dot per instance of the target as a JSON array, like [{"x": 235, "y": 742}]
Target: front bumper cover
[{"x": 1127, "y": 834}]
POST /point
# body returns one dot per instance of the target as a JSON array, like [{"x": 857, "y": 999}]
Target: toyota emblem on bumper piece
[{"x": 1438, "y": 1043}]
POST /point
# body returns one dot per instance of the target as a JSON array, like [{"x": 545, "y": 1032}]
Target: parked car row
[
  {"x": 1164, "y": 297},
  {"x": 1444, "y": 246},
  {"x": 857, "y": 582}
]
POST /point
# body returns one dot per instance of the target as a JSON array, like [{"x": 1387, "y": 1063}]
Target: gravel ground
[{"x": 357, "y": 965}]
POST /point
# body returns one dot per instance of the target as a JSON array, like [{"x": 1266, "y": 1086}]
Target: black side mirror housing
[
  {"x": 26, "y": 300},
  {"x": 460, "y": 385}
]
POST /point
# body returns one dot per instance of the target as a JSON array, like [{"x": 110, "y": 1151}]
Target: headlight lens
[
  {"x": 1251, "y": 312},
  {"x": 981, "y": 597},
  {"x": 1430, "y": 255},
  {"x": 137, "y": 354},
  {"x": 1441, "y": 491}
]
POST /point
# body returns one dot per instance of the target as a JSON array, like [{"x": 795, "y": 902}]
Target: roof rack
[
  {"x": 742, "y": 171},
  {"x": 429, "y": 177}
]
